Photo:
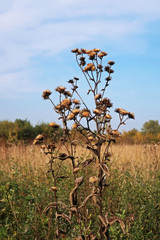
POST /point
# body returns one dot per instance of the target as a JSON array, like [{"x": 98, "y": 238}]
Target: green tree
[
  {"x": 25, "y": 129},
  {"x": 152, "y": 126}
]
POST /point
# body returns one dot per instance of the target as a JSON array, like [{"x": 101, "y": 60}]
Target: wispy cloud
[{"x": 29, "y": 28}]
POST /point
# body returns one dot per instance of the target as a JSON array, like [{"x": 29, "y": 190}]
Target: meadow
[{"x": 133, "y": 192}]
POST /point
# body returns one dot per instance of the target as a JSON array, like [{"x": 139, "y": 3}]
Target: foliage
[
  {"x": 151, "y": 127},
  {"x": 130, "y": 196},
  {"x": 22, "y": 130}
]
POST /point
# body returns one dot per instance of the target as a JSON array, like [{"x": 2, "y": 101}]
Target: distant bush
[{"x": 22, "y": 130}]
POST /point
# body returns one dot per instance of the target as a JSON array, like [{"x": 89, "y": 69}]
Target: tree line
[{"x": 23, "y": 130}]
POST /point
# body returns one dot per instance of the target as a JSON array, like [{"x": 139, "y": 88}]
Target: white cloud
[{"x": 29, "y": 28}]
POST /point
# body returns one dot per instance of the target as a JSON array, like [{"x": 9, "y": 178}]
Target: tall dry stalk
[{"x": 97, "y": 141}]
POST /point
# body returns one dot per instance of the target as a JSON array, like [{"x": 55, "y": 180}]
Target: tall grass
[{"x": 133, "y": 193}]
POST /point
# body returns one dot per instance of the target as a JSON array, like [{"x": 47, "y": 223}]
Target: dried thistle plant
[{"x": 72, "y": 107}]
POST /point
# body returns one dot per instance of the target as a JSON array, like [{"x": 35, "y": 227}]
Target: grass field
[{"x": 133, "y": 192}]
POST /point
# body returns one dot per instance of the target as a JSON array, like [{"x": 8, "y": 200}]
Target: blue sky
[{"x": 36, "y": 38}]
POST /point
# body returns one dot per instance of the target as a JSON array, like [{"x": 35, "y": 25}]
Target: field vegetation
[
  {"x": 83, "y": 182},
  {"x": 133, "y": 193}
]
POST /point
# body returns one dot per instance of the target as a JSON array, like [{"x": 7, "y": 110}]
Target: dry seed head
[
  {"x": 96, "y": 50},
  {"x": 121, "y": 111},
  {"x": 107, "y": 102},
  {"x": 82, "y": 58},
  {"x": 54, "y": 189},
  {"x": 88, "y": 51},
  {"x": 131, "y": 115},
  {"x": 83, "y": 50},
  {"x": 93, "y": 179},
  {"x": 115, "y": 133},
  {"x": 111, "y": 63},
  {"x": 108, "y": 116},
  {"x": 85, "y": 113},
  {"x": 107, "y": 68},
  {"x": 46, "y": 94},
  {"x": 108, "y": 78},
  {"x": 71, "y": 116},
  {"x": 88, "y": 67},
  {"x": 76, "y": 50},
  {"x": 99, "y": 66},
  {"x": 53, "y": 125},
  {"x": 40, "y": 137},
  {"x": 97, "y": 112},
  {"x": 75, "y": 111},
  {"x": 92, "y": 55},
  {"x": 76, "y": 170},
  {"x": 98, "y": 96},
  {"x": 59, "y": 107},
  {"x": 60, "y": 89},
  {"x": 76, "y": 78},
  {"x": 67, "y": 93},
  {"x": 74, "y": 126},
  {"x": 71, "y": 81},
  {"x": 66, "y": 103},
  {"x": 111, "y": 70},
  {"x": 102, "y": 54},
  {"x": 76, "y": 101},
  {"x": 93, "y": 68}
]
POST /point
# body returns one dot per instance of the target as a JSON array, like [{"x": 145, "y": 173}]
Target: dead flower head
[
  {"x": 53, "y": 125},
  {"x": 93, "y": 179},
  {"x": 102, "y": 54},
  {"x": 85, "y": 113},
  {"x": 92, "y": 55},
  {"x": 98, "y": 96},
  {"x": 46, "y": 94},
  {"x": 67, "y": 93},
  {"x": 75, "y": 111},
  {"x": 71, "y": 116},
  {"x": 38, "y": 139},
  {"x": 115, "y": 133},
  {"x": 131, "y": 115},
  {"x": 96, "y": 50},
  {"x": 89, "y": 67},
  {"x": 76, "y": 50},
  {"x": 97, "y": 112},
  {"x": 66, "y": 103},
  {"x": 74, "y": 126},
  {"x": 60, "y": 89},
  {"x": 108, "y": 116},
  {"x": 111, "y": 63},
  {"x": 76, "y": 101},
  {"x": 121, "y": 111}
]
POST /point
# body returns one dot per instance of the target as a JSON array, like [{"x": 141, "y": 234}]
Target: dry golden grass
[{"x": 32, "y": 160}]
